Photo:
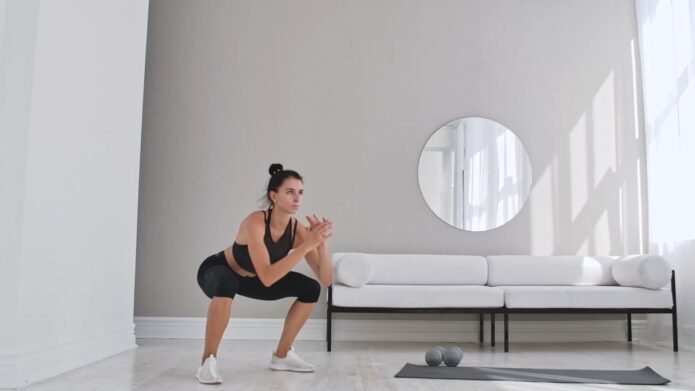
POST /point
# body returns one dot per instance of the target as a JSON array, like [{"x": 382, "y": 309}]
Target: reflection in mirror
[{"x": 474, "y": 174}]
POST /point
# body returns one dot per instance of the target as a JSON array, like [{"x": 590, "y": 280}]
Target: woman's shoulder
[{"x": 254, "y": 218}]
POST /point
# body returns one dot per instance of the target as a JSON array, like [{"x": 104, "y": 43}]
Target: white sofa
[{"x": 506, "y": 284}]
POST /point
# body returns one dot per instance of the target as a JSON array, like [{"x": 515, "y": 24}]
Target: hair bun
[{"x": 275, "y": 168}]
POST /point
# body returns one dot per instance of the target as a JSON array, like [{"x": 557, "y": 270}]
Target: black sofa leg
[
  {"x": 629, "y": 327},
  {"x": 674, "y": 320},
  {"x": 506, "y": 332},
  {"x": 674, "y": 314},
  {"x": 328, "y": 330},
  {"x": 480, "y": 328},
  {"x": 492, "y": 329},
  {"x": 328, "y": 318}
]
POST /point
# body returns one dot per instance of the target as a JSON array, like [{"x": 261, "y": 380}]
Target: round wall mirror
[{"x": 474, "y": 174}]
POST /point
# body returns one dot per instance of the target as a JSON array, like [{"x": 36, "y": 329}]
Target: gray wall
[{"x": 347, "y": 93}]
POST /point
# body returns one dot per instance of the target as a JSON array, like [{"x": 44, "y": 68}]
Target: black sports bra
[{"x": 276, "y": 250}]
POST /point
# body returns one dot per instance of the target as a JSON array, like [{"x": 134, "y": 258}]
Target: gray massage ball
[
  {"x": 452, "y": 356},
  {"x": 433, "y": 357}
]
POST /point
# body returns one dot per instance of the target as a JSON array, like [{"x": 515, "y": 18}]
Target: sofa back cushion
[
  {"x": 549, "y": 270},
  {"x": 423, "y": 269}
]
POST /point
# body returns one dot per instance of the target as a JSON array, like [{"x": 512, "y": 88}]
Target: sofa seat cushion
[
  {"x": 418, "y": 296},
  {"x": 585, "y": 297}
]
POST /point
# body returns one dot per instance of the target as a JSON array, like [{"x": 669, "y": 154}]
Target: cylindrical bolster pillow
[
  {"x": 645, "y": 271},
  {"x": 353, "y": 269}
]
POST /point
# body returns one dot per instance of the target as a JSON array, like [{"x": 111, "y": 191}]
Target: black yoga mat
[{"x": 638, "y": 376}]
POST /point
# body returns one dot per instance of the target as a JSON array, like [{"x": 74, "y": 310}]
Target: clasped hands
[{"x": 321, "y": 227}]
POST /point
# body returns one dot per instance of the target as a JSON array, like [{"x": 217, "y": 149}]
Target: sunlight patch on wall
[
  {"x": 579, "y": 191},
  {"x": 542, "y": 210},
  {"x": 622, "y": 199},
  {"x": 635, "y": 105},
  {"x": 602, "y": 131},
  {"x": 602, "y": 236},
  {"x": 584, "y": 248}
]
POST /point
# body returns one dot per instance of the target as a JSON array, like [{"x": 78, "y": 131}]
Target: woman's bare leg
[
  {"x": 296, "y": 317},
  {"x": 218, "y": 317}
]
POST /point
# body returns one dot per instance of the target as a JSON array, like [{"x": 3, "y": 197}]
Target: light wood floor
[{"x": 159, "y": 364}]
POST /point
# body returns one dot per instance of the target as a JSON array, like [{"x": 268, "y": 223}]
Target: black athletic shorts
[{"x": 216, "y": 278}]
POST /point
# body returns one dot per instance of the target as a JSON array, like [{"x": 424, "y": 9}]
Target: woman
[{"x": 259, "y": 265}]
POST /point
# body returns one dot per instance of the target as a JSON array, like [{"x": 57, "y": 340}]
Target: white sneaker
[
  {"x": 290, "y": 363},
  {"x": 208, "y": 373}
]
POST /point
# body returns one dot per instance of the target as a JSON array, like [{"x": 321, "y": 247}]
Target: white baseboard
[
  {"x": 19, "y": 369},
  {"x": 397, "y": 330}
]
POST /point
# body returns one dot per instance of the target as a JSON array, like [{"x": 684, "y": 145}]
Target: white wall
[
  {"x": 348, "y": 92},
  {"x": 17, "y": 35},
  {"x": 73, "y": 74}
]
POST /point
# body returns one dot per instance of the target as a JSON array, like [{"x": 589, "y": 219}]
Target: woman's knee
[
  {"x": 220, "y": 305},
  {"x": 310, "y": 292},
  {"x": 224, "y": 290}
]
